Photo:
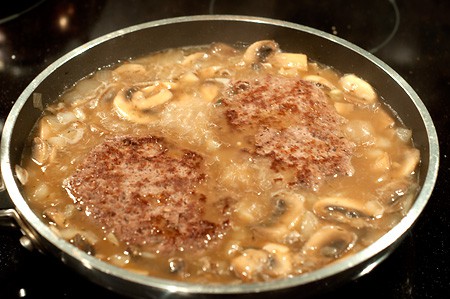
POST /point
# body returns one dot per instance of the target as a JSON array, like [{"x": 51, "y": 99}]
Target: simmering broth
[{"x": 220, "y": 164}]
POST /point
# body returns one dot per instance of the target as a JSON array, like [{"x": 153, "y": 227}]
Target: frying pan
[{"x": 142, "y": 39}]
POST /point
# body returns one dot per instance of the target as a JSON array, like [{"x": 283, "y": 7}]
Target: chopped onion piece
[{"x": 404, "y": 135}]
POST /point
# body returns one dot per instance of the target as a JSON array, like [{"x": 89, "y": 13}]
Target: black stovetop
[{"x": 412, "y": 36}]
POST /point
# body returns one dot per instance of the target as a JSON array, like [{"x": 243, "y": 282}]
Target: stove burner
[
  {"x": 15, "y": 9},
  {"x": 394, "y": 28},
  {"x": 31, "y": 37},
  {"x": 353, "y": 21}
]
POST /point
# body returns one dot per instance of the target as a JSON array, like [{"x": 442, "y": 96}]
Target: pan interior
[{"x": 145, "y": 38}]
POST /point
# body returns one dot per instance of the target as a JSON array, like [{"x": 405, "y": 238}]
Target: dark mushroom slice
[
  {"x": 133, "y": 104},
  {"x": 287, "y": 214},
  {"x": 260, "y": 51},
  {"x": 82, "y": 243},
  {"x": 358, "y": 89},
  {"x": 272, "y": 260},
  {"x": 350, "y": 211},
  {"x": 280, "y": 260},
  {"x": 329, "y": 242},
  {"x": 396, "y": 195},
  {"x": 250, "y": 264}
]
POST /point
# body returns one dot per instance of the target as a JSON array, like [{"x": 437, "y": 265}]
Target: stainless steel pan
[{"x": 142, "y": 39}]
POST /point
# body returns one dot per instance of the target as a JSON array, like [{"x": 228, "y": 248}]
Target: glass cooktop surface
[{"x": 411, "y": 36}]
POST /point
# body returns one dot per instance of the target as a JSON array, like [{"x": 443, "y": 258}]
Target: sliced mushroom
[
  {"x": 394, "y": 194},
  {"x": 319, "y": 80},
  {"x": 329, "y": 242},
  {"x": 280, "y": 260},
  {"x": 259, "y": 51},
  {"x": 134, "y": 105},
  {"x": 286, "y": 217},
  {"x": 82, "y": 243},
  {"x": 359, "y": 88},
  {"x": 251, "y": 264},
  {"x": 151, "y": 96},
  {"x": 273, "y": 260},
  {"x": 345, "y": 210}
]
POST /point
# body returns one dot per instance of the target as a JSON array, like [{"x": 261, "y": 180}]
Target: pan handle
[
  {"x": 9, "y": 218},
  {"x": 8, "y": 215},
  {"x": 5, "y": 201},
  {"x": 6, "y": 207}
]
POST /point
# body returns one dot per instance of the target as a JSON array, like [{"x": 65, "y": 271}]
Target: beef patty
[
  {"x": 292, "y": 123},
  {"x": 144, "y": 190}
]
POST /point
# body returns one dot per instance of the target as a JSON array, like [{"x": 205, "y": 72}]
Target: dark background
[{"x": 411, "y": 36}]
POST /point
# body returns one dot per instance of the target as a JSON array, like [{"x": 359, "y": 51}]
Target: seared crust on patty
[
  {"x": 292, "y": 123},
  {"x": 144, "y": 190}
]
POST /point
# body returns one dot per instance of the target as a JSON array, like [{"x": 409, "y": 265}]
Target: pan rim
[{"x": 378, "y": 247}]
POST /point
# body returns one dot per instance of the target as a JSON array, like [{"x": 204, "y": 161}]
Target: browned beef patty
[
  {"x": 144, "y": 190},
  {"x": 293, "y": 124}
]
